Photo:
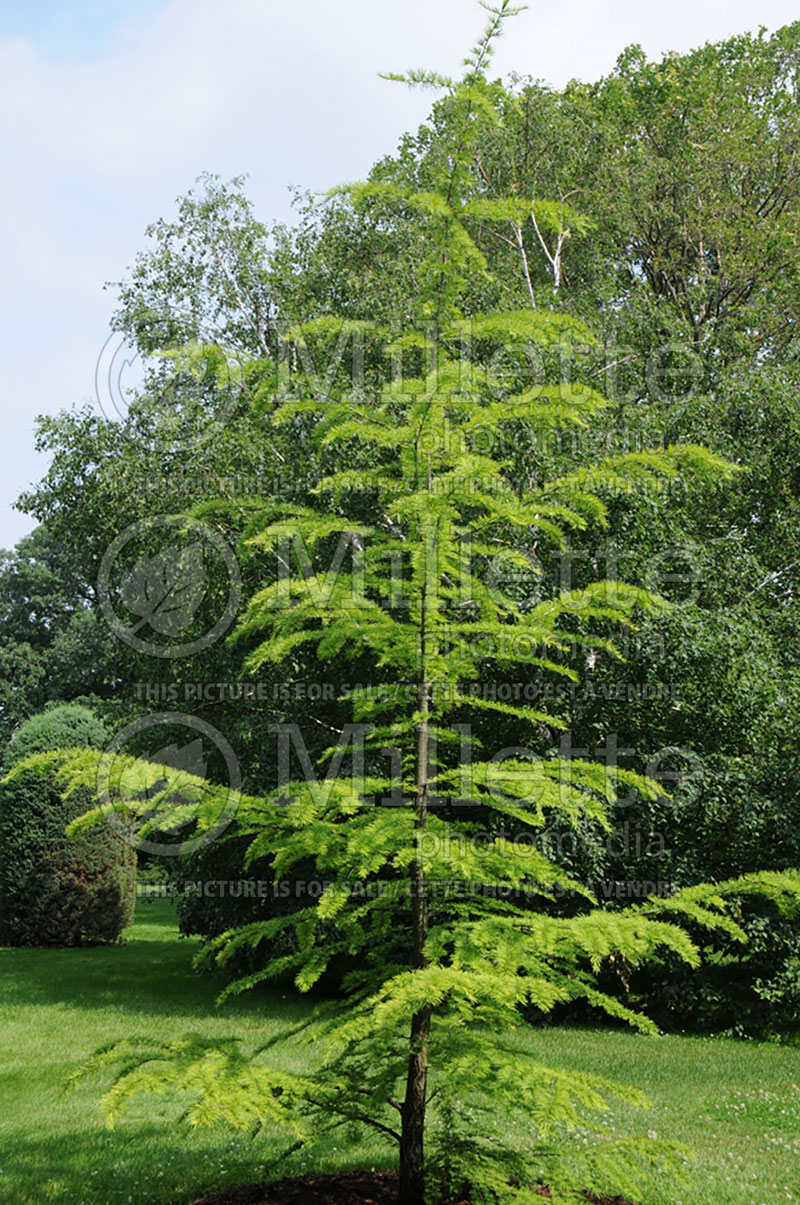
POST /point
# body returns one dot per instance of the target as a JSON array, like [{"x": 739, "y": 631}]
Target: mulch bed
[{"x": 342, "y": 1188}]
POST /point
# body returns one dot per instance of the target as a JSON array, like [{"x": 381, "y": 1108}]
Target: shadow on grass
[
  {"x": 147, "y": 1163},
  {"x": 57, "y": 1006},
  {"x": 157, "y": 1164},
  {"x": 149, "y": 972}
]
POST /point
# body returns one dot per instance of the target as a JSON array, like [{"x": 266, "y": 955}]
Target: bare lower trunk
[
  {"x": 412, "y": 1145},
  {"x": 412, "y": 1140}
]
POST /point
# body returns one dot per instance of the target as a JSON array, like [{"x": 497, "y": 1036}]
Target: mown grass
[{"x": 736, "y": 1104}]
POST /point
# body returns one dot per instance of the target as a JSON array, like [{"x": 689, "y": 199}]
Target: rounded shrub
[
  {"x": 67, "y": 726},
  {"x": 53, "y": 890}
]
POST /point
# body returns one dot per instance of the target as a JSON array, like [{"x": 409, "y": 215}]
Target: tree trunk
[{"x": 412, "y": 1140}]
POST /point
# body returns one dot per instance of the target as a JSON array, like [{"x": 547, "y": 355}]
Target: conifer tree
[{"x": 438, "y": 915}]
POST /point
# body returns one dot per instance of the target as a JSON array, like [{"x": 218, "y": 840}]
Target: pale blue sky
[
  {"x": 108, "y": 112},
  {"x": 83, "y": 30}
]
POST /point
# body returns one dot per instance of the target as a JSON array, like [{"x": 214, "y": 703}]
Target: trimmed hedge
[{"x": 54, "y": 891}]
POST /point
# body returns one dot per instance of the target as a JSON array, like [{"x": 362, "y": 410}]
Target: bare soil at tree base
[{"x": 342, "y": 1188}]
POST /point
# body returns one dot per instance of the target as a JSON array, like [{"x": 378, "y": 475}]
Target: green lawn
[{"x": 736, "y": 1104}]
